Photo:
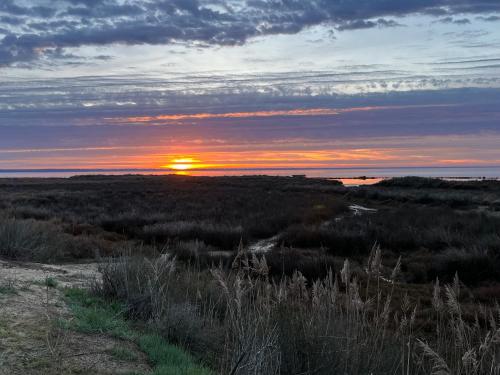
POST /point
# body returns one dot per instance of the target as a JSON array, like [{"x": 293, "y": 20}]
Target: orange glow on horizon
[
  {"x": 279, "y": 159},
  {"x": 189, "y": 155}
]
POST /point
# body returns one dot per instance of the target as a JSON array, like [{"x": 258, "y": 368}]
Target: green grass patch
[
  {"x": 169, "y": 359},
  {"x": 95, "y": 315}
]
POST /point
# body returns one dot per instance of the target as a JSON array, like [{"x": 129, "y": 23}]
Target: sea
[{"x": 349, "y": 176}]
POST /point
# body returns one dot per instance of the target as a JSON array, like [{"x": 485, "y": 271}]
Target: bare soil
[{"x": 32, "y": 341}]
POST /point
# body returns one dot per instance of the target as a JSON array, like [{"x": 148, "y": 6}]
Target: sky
[{"x": 184, "y": 84}]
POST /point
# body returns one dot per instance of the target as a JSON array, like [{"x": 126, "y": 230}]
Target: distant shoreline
[{"x": 352, "y": 175}]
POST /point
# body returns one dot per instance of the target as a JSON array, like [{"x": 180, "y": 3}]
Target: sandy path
[{"x": 31, "y": 341}]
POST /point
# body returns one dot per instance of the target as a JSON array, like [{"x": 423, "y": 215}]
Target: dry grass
[
  {"x": 241, "y": 322},
  {"x": 301, "y": 310}
]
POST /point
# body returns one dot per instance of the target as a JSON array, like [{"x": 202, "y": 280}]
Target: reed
[{"x": 240, "y": 321}]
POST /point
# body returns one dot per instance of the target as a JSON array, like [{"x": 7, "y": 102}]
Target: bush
[
  {"x": 399, "y": 230},
  {"x": 313, "y": 265},
  {"x": 42, "y": 242},
  {"x": 416, "y": 182},
  {"x": 29, "y": 240},
  {"x": 221, "y": 235},
  {"x": 473, "y": 267}
]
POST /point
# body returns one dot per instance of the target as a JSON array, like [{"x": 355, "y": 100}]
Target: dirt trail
[{"x": 31, "y": 341}]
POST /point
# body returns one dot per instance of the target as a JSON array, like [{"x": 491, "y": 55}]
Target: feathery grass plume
[
  {"x": 439, "y": 366},
  {"x": 406, "y": 304},
  {"x": 469, "y": 360},
  {"x": 376, "y": 261},
  {"x": 355, "y": 298},
  {"x": 217, "y": 274},
  {"x": 316, "y": 293},
  {"x": 241, "y": 259},
  {"x": 345, "y": 273},
  {"x": 437, "y": 302},
  {"x": 452, "y": 299},
  {"x": 396, "y": 270}
]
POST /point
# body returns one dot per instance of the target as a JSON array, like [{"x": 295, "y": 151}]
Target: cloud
[
  {"x": 362, "y": 24},
  {"x": 489, "y": 19},
  {"x": 451, "y": 20},
  {"x": 461, "y": 61},
  {"x": 10, "y": 7},
  {"x": 134, "y": 95},
  {"x": 168, "y": 119},
  {"x": 104, "y": 10},
  {"x": 403, "y": 131},
  {"x": 14, "y": 21},
  {"x": 76, "y": 23}
]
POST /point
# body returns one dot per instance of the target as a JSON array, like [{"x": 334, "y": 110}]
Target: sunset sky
[{"x": 249, "y": 83}]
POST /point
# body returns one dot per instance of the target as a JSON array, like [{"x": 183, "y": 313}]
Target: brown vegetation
[{"x": 177, "y": 253}]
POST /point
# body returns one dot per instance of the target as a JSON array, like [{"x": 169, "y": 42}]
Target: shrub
[
  {"x": 42, "y": 242},
  {"x": 415, "y": 182},
  {"x": 221, "y": 235},
  {"x": 472, "y": 266},
  {"x": 28, "y": 240}
]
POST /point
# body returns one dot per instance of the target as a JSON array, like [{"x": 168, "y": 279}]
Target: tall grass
[{"x": 242, "y": 322}]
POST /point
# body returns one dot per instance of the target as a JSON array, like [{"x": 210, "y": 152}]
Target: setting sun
[{"x": 183, "y": 164}]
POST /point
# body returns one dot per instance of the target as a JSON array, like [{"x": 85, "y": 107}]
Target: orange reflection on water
[{"x": 359, "y": 181}]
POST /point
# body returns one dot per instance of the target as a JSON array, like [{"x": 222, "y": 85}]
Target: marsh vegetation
[{"x": 280, "y": 275}]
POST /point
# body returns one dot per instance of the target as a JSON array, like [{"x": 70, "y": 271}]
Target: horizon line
[{"x": 41, "y": 170}]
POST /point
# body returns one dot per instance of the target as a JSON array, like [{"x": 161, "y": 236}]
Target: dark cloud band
[{"x": 32, "y": 31}]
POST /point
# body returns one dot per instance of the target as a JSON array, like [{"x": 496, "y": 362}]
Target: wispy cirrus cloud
[
  {"x": 301, "y": 112},
  {"x": 142, "y": 96}
]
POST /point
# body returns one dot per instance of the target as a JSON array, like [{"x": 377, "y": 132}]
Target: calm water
[{"x": 350, "y": 176}]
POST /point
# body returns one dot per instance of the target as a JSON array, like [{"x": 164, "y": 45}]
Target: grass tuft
[
  {"x": 169, "y": 359},
  {"x": 96, "y": 315}
]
